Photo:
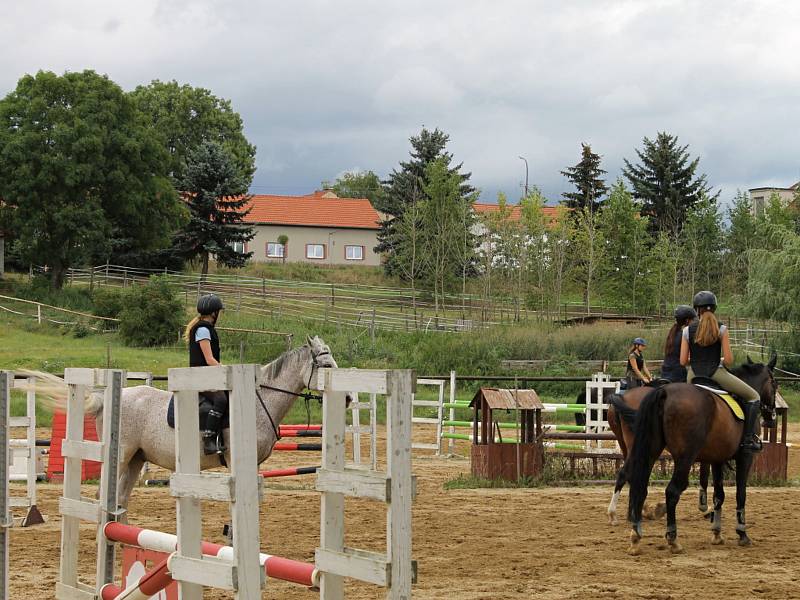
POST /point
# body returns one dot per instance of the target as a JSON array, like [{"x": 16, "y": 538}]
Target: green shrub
[
  {"x": 81, "y": 330},
  {"x": 107, "y": 302},
  {"x": 152, "y": 314}
]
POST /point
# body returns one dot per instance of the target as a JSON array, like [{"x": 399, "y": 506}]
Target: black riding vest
[
  {"x": 639, "y": 363},
  {"x": 196, "y": 358},
  {"x": 704, "y": 360}
]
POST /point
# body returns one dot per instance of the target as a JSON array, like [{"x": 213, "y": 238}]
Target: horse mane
[{"x": 274, "y": 368}]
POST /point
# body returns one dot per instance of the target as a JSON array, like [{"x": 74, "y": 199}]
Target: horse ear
[
  {"x": 309, "y": 340},
  {"x": 749, "y": 360},
  {"x": 772, "y": 362}
]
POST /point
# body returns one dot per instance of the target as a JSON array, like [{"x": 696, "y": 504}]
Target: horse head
[
  {"x": 321, "y": 358},
  {"x": 760, "y": 377}
]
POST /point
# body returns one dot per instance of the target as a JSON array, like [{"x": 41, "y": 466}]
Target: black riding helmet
[
  {"x": 705, "y": 299},
  {"x": 683, "y": 312},
  {"x": 209, "y": 304}
]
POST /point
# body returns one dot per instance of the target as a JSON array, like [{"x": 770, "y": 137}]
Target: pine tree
[
  {"x": 665, "y": 182},
  {"x": 407, "y": 183},
  {"x": 215, "y": 192},
  {"x": 586, "y": 176}
]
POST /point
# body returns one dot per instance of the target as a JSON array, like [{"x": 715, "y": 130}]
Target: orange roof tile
[
  {"x": 550, "y": 212},
  {"x": 320, "y": 209}
]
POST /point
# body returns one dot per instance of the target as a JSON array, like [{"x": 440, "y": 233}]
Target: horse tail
[
  {"x": 622, "y": 410},
  {"x": 648, "y": 440}
]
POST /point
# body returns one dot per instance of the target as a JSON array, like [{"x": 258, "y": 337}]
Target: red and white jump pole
[
  {"x": 300, "y": 427},
  {"x": 148, "y": 585},
  {"x": 289, "y": 472},
  {"x": 276, "y": 567}
]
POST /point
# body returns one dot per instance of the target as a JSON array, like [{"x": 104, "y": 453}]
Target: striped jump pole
[
  {"x": 294, "y": 446},
  {"x": 146, "y": 587},
  {"x": 276, "y": 567},
  {"x": 289, "y": 472},
  {"x": 300, "y": 427},
  {"x": 316, "y": 433}
]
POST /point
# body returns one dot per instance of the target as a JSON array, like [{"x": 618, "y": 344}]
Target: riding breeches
[{"x": 730, "y": 383}]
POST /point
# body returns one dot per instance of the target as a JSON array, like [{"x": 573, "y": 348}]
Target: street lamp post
[{"x": 526, "y": 174}]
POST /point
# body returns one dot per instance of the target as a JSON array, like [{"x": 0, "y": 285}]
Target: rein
[{"x": 305, "y": 395}]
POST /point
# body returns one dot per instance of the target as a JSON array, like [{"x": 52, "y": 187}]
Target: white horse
[{"x": 146, "y": 437}]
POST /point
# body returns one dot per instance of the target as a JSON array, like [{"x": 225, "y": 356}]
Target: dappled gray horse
[{"x": 145, "y": 435}]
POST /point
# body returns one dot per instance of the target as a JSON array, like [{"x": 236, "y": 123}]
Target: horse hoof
[
  {"x": 660, "y": 510},
  {"x": 612, "y": 518},
  {"x": 703, "y": 508},
  {"x": 745, "y": 541},
  {"x": 675, "y": 548},
  {"x": 717, "y": 540},
  {"x": 634, "y": 550}
]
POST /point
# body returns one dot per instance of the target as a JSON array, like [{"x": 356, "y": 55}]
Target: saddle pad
[{"x": 732, "y": 404}]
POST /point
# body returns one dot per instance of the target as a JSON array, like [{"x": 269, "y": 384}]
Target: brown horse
[
  {"x": 621, "y": 417},
  {"x": 694, "y": 424}
]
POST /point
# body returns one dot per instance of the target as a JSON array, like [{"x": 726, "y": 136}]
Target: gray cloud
[{"x": 328, "y": 86}]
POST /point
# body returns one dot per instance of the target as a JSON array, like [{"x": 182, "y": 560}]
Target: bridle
[{"x": 307, "y": 396}]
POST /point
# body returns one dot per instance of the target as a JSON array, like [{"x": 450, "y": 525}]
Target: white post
[
  {"x": 332, "y": 504},
  {"x": 398, "y": 457},
  {"x": 6, "y": 381},
  {"x": 373, "y": 427},
  {"x": 451, "y": 443},
  {"x": 30, "y": 412},
  {"x": 241, "y": 488},
  {"x": 75, "y": 508},
  {"x": 435, "y": 421},
  {"x": 356, "y": 429}
]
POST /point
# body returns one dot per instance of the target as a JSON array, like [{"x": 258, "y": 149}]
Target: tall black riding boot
[
  {"x": 752, "y": 421},
  {"x": 211, "y": 432}
]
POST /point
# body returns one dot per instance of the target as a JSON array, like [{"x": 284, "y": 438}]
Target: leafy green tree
[
  {"x": 363, "y": 184},
  {"x": 536, "y": 258},
  {"x": 586, "y": 176},
  {"x": 80, "y": 172},
  {"x": 559, "y": 236},
  {"x": 740, "y": 239},
  {"x": 215, "y": 194},
  {"x": 701, "y": 241},
  {"x": 774, "y": 287},
  {"x": 588, "y": 250},
  {"x": 664, "y": 273},
  {"x": 399, "y": 189},
  {"x": 443, "y": 224},
  {"x": 627, "y": 244},
  {"x": 666, "y": 182},
  {"x": 491, "y": 250},
  {"x": 184, "y": 117}
]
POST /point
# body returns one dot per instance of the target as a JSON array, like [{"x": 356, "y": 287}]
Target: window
[
  {"x": 758, "y": 205},
  {"x": 275, "y": 250},
  {"x": 238, "y": 247},
  {"x": 316, "y": 251},
  {"x": 354, "y": 252}
]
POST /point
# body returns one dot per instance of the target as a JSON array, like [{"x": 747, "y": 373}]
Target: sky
[{"x": 326, "y": 87}]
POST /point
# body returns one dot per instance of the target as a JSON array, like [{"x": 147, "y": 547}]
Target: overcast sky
[{"x": 330, "y": 86}]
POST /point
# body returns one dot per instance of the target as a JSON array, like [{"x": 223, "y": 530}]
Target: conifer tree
[
  {"x": 405, "y": 183},
  {"x": 586, "y": 176},
  {"x": 215, "y": 193},
  {"x": 666, "y": 182}
]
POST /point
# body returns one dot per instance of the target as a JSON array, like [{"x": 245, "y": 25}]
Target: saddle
[
  {"x": 712, "y": 386},
  {"x": 205, "y": 406}
]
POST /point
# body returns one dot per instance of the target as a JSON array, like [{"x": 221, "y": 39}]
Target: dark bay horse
[{"x": 694, "y": 424}]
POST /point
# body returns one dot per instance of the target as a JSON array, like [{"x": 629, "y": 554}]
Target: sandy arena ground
[{"x": 490, "y": 544}]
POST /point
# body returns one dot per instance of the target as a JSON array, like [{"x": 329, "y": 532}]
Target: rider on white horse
[{"x": 204, "y": 352}]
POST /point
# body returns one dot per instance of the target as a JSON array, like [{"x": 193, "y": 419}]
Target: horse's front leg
[
  {"x": 719, "y": 498},
  {"x": 743, "y": 462}
]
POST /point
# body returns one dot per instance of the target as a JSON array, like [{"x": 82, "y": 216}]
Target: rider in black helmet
[
  {"x": 204, "y": 352},
  {"x": 706, "y": 350},
  {"x": 671, "y": 368}
]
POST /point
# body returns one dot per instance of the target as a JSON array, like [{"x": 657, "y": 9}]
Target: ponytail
[
  {"x": 189, "y": 326},
  {"x": 708, "y": 329},
  {"x": 668, "y": 345}
]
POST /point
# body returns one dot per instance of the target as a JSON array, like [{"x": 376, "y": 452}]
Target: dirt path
[{"x": 549, "y": 543}]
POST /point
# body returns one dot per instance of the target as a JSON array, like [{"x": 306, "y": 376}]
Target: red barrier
[
  {"x": 289, "y": 472},
  {"x": 297, "y": 447}
]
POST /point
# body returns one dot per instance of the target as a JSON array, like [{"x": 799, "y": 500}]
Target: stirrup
[{"x": 752, "y": 444}]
